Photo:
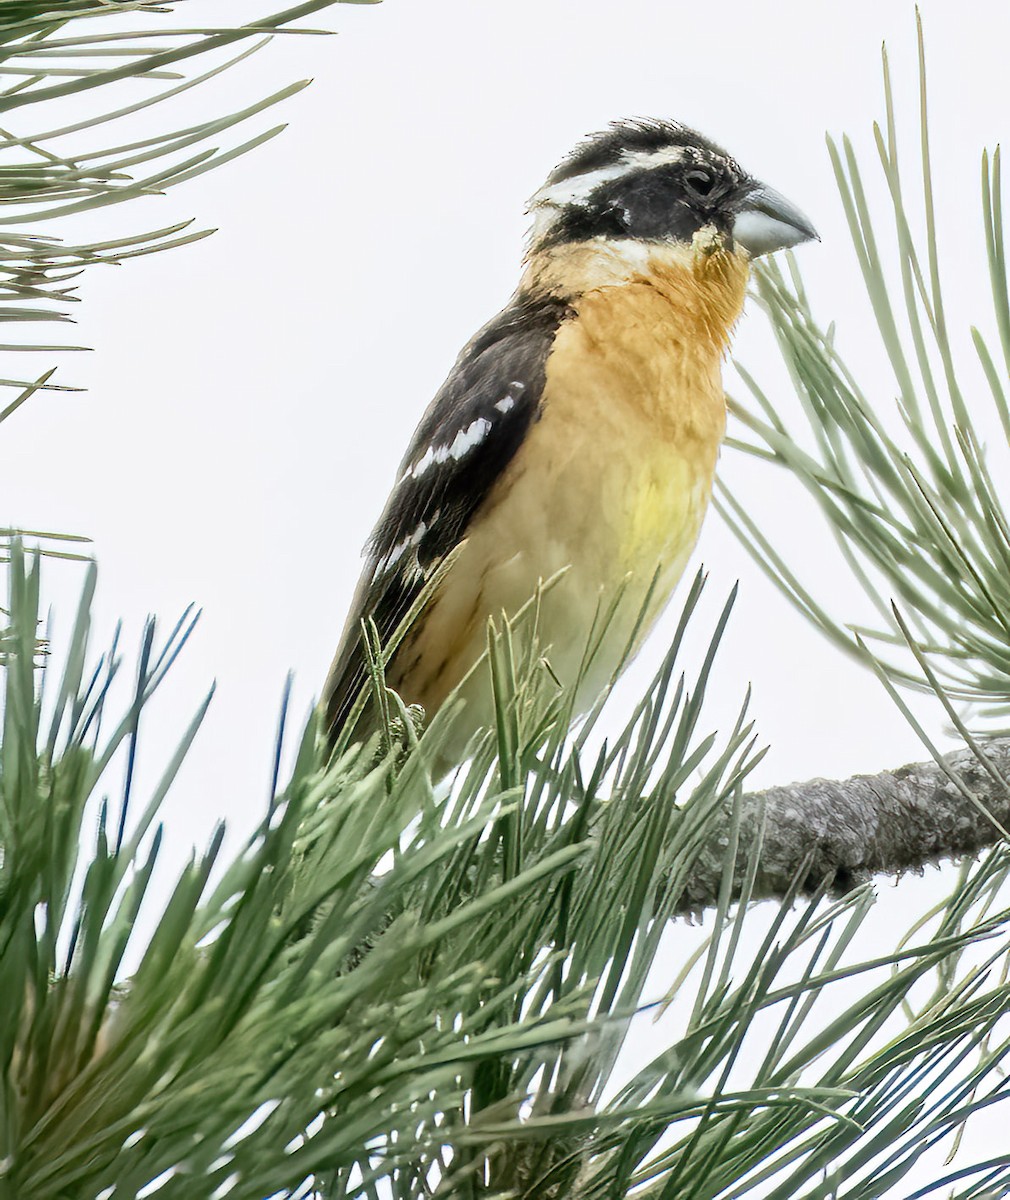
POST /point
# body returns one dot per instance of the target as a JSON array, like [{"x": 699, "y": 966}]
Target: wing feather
[{"x": 468, "y": 436}]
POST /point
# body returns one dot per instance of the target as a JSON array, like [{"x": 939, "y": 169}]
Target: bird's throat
[{"x": 704, "y": 283}]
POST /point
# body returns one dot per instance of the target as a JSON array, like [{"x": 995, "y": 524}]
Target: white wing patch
[
  {"x": 410, "y": 543},
  {"x": 508, "y": 402},
  {"x": 466, "y": 439},
  {"x": 434, "y": 454}
]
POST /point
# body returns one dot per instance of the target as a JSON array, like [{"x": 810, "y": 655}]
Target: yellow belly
[{"x": 610, "y": 487}]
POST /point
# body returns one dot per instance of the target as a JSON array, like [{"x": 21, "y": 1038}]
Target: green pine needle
[
  {"x": 394, "y": 984},
  {"x": 912, "y": 502}
]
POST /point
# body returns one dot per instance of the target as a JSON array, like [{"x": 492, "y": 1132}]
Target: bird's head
[{"x": 660, "y": 182}]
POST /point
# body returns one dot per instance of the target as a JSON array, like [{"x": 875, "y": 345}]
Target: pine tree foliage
[
  {"x": 399, "y": 990},
  {"x": 394, "y": 989},
  {"x": 914, "y": 504},
  {"x": 74, "y": 76}
]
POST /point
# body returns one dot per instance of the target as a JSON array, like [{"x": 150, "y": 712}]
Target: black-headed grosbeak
[{"x": 578, "y": 431}]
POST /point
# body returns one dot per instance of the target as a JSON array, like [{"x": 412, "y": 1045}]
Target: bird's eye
[{"x": 700, "y": 183}]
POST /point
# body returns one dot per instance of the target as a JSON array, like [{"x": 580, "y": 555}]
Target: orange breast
[{"x": 610, "y": 486}]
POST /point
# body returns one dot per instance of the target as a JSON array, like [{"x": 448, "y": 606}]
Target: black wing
[{"x": 464, "y": 442}]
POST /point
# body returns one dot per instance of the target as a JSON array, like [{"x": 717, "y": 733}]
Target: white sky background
[{"x": 250, "y": 397}]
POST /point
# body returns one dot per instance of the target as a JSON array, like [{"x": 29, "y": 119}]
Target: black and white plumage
[
  {"x": 578, "y": 431},
  {"x": 471, "y": 431}
]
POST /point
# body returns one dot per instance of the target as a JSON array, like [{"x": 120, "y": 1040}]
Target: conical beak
[{"x": 768, "y": 221}]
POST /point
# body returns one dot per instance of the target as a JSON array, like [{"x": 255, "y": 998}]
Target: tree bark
[{"x": 845, "y": 832}]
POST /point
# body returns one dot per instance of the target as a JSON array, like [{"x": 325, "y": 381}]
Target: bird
[{"x": 575, "y": 439}]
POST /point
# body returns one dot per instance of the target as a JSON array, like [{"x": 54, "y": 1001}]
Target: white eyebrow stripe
[{"x": 578, "y": 188}]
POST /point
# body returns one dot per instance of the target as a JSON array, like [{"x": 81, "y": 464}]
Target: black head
[{"x": 658, "y": 181}]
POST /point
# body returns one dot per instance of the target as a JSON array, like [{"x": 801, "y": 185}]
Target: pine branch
[{"x": 842, "y": 833}]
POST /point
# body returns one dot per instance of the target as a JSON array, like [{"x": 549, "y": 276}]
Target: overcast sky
[{"x": 249, "y": 398}]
